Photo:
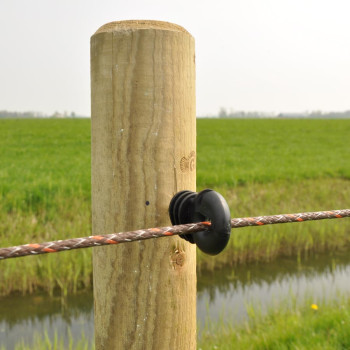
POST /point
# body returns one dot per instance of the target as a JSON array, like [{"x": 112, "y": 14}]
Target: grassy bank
[
  {"x": 286, "y": 327},
  {"x": 261, "y": 166},
  {"x": 252, "y": 244}
]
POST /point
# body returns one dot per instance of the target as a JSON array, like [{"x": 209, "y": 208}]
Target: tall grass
[
  {"x": 260, "y": 166},
  {"x": 253, "y": 244}
]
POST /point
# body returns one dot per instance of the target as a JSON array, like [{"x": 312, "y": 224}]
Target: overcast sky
[{"x": 266, "y": 55}]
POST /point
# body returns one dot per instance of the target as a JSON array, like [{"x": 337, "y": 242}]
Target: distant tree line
[
  {"x": 223, "y": 113},
  {"x": 317, "y": 115},
  {"x": 29, "y": 114}
]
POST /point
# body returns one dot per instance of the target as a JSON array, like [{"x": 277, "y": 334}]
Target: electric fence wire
[{"x": 123, "y": 237}]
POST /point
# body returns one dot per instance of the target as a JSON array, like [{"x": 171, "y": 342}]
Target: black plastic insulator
[{"x": 189, "y": 207}]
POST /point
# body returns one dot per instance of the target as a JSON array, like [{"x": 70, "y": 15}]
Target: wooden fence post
[{"x": 143, "y": 152}]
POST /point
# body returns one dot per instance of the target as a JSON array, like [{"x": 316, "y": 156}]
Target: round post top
[{"x": 140, "y": 24}]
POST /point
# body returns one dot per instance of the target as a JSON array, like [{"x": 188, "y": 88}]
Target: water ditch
[{"x": 222, "y": 295}]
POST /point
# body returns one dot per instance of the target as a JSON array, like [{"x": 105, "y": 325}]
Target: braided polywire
[
  {"x": 123, "y": 237},
  {"x": 286, "y": 218},
  {"x": 99, "y": 240}
]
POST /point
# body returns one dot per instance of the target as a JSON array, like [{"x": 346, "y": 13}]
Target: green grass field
[
  {"x": 261, "y": 167},
  {"x": 245, "y": 151}
]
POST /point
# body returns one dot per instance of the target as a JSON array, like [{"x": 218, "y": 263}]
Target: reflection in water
[
  {"x": 222, "y": 294},
  {"x": 21, "y": 317}
]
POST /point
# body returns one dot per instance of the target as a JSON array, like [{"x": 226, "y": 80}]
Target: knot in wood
[{"x": 178, "y": 258}]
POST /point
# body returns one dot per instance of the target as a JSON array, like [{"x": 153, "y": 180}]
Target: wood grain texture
[{"x": 143, "y": 126}]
